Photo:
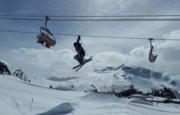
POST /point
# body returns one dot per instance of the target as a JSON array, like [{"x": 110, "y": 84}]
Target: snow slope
[{"x": 22, "y": 98}]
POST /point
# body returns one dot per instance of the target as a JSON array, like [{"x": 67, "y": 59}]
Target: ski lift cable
[
  {"x": 116, "y": 20},
  {"x": 115, "y": 16},
  {"x": 90, "y": 36},
  {"x": 90, "y": 19},
  {"x": 15, "y": 31}
]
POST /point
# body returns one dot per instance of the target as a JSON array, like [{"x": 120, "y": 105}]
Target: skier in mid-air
[{"x": 80, "y": 51}]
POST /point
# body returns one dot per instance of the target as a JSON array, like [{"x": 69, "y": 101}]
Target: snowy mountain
[{"x": 142, "y": 78}]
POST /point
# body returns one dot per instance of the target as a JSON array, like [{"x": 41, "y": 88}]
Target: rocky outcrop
[
  {"x": 20, "y": 74},
  {"x": 4, "y": 69}
]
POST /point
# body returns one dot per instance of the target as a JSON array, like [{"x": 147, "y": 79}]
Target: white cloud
[
  {"x": 139, "y": 52},
  {"x": 168, "y": 59},
  {"x": 170, "y": 49},
  {"x": 44, "y": 61}
]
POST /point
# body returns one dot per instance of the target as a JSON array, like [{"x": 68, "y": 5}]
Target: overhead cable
[
  {"x": 91, "y": 19},
  {"x": 112, "y": 16},
  {"x": 91, "y": 36}
]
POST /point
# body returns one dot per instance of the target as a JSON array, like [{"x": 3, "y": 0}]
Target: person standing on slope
[{"x": 80, "y": 51}]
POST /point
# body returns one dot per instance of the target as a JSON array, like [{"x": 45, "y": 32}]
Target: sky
[{"x": 22, "y": 51}]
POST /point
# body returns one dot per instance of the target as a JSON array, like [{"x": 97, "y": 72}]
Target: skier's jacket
[{"x": 79, "y": 48}]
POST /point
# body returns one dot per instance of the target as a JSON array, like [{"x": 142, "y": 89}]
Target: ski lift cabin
[
  {"x": 152, "y": 57},
  {"x": 45, "y": 37}
]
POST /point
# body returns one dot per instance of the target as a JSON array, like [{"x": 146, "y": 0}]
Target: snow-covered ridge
[
  {"x": 137, "y": 71},
  {"x": 142, "y": 78},
  {"x": 145, "y": 73}
]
